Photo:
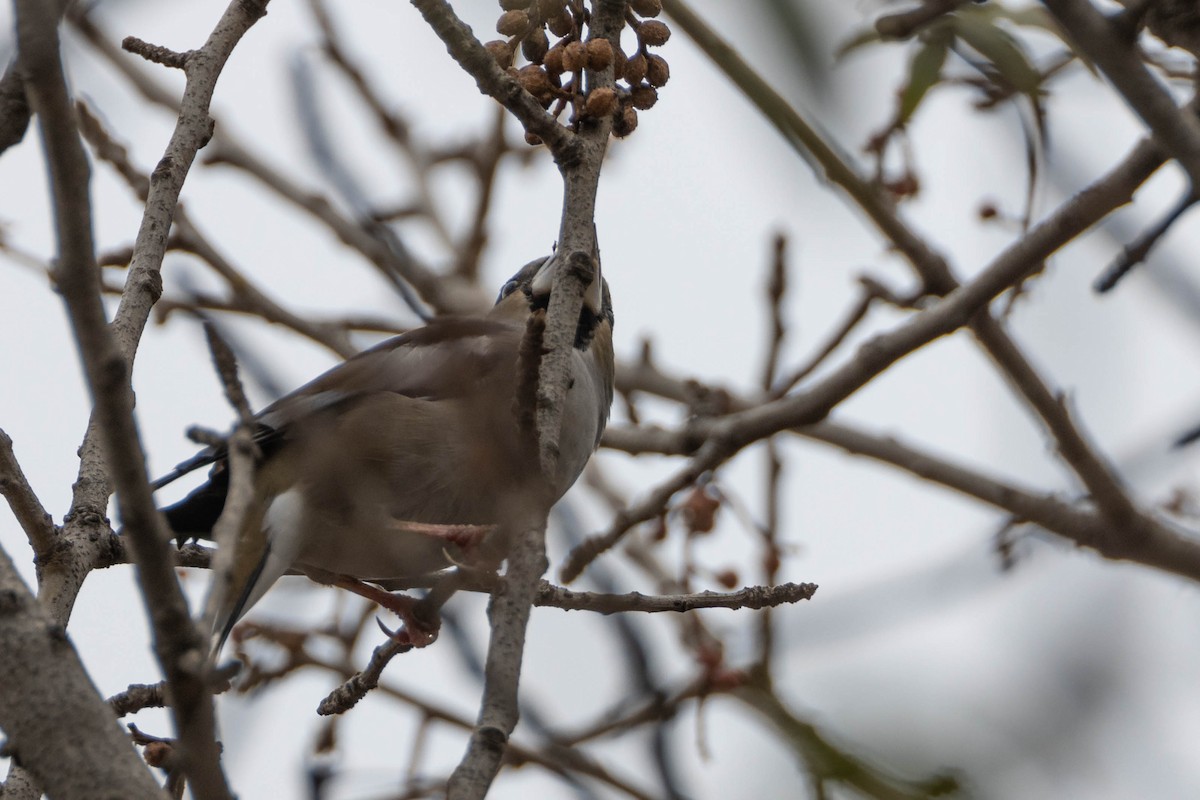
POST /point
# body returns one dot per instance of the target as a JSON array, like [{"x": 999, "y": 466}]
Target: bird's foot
[{"x": 417, "y": 631}]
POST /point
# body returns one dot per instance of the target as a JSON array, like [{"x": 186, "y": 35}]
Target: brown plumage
[{"x": 421, "y": 428}]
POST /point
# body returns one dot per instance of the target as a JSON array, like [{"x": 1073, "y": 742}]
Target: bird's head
[{"x": 529, "y": 290}]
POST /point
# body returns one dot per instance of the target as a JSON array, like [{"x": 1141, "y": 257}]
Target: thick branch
[
  {"x": 57, "y": 725},
  {"x": 510, "y": 607}
]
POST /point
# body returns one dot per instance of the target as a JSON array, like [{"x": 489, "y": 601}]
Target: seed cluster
[{"x": 556, "y": 74}]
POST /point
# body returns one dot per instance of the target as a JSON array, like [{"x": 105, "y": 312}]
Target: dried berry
[
  {"x": 626, "y": 122},
  {"x": 600, "y": 103},
  {"x": 510, "y": 5},
  {"x": 653, "y": 33},
  {"x": 535, "y": 45},
  {"x": 512, "y": 23},
  {"x": 599, "y": 54},
  {"x": 562, "y": 24},
  {"x": 643, "y": 97},
  {"x": 534, "y": 80},
  {"x": 619, "y": 64},
  {"x": 727, "y": 578},
  {"x": 646, "y": 8},
  {"x": 551, "y": 8},
  {"x": 553, "y": 60},
  {"x": 501, "y": 51},
  {"x": 657, "y": 71},
  {"x": 635, "y": 69},
  {"x": 574, "y": 57}
]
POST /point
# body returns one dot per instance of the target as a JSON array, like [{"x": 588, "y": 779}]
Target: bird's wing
[{"x": 443, "y": 360}]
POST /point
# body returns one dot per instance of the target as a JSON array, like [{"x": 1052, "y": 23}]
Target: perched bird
[{"x": 422, "y": 428}]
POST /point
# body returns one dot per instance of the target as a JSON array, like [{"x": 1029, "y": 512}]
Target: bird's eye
[{"x": 508, "y": 289}]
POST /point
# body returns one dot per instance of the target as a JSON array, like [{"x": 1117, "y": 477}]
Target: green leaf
[
  {"x": 924, "y": 71},
  {"x": 1000, "y": 48}
]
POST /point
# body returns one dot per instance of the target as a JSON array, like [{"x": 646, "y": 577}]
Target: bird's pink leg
[{"x": 416, "y": 632}]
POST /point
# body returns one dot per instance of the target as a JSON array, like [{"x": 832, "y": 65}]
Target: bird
[{"x": 373, "y": 470}]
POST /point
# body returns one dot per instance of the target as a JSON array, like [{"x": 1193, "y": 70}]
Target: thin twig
[
  {"x": 776, "y": 288},
  {"x": 1104, "y": 486},
  {"x": 475, "y": 59},
  {"x": 753, "y": 597},
  {"x": 30, "y": 513}
]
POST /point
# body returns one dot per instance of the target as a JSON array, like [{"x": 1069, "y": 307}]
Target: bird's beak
[{"x": 543, "y": 280}]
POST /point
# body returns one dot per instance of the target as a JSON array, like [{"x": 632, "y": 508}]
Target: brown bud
[
  {"x": 553, "y": 60},
  {"x": 625, "y": 123},
  {"x": 561, "y": 25},
  {"x": 574, "y": 57},
  {"x": 646, "y": 8},
  {"x": 510, "y": 5},
  {"x": 635, "y": 69},
  {"x": 600, "y": 103},
  {"x": 643, "y": 97},
  {"x": 727, "y": 578},
  {"x": 532, "y": 139},
  {"x": 500, "y": 51},
  {"x": 157, "y": 754},
  {"x": 657, "y": 71},
  {"x": 535, "y": 45},
  {"x": 653, "y": 33},
  {"x": 512, "y": 23},
  {"x": 699, "y": 510},
  {"x": 534, "y": 80},
  {"x": 599, "y": 54},
  {"x": 551, "y": 8}
]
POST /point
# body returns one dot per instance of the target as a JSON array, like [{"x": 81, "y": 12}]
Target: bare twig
[
  {"x": 34, "y": 519},
  {"x": 714, "y": 451},
  {"x": 356, "y": 686},
  {"x": 1136, "y": 251},
  {"x": 475, "y": 59},
  {"x": 755, "y": 597},
  {"x": 242, "y": 455},
  {"x": 1105, "y": 487},
  {"x": 1115, "y": 52},
  {"x": 776, "y": 288},
  {"x": 107, "y": 352},
  {"x": 186, "y": 236},
  {"x": 579, "y": 157}
]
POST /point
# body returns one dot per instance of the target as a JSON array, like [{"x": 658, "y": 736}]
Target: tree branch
[
  {"x": 477, "y": 62},
  {"x": 32, "y": 516},
  {"x": 58, "y": 726},
  {"x": 1104, "y": 486},
  {"x": 1115, "y": 52},
  {"x": 107, "y": 352}
]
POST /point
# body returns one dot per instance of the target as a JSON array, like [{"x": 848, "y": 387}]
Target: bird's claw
[{"x": 410, "y": 634}]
